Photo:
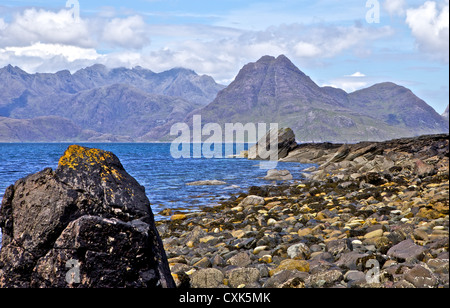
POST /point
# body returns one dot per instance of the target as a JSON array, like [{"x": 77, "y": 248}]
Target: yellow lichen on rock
[{"x": 77, "y": 155}]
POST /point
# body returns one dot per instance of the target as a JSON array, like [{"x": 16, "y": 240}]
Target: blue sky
[{"x": 330, "y": 40}]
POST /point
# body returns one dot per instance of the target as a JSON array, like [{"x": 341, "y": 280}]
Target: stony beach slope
[{"x": 369, "y": 215}]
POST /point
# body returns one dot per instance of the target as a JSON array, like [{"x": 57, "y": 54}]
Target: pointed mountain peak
[
  {"x": 281, "y": 62},
  {"x": 180, "y": 71},
  {"x": 97, "y": 68},
  {"x": 283, "y": 59},
  {"x": 266, "y": 59},
  {"x": 278, "y": 60},
  {"x": 13, "y": 70}
]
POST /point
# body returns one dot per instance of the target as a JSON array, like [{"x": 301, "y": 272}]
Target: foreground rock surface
[
  {"x": 86, "y": 224},
  {"x": 367, "y": 217}
]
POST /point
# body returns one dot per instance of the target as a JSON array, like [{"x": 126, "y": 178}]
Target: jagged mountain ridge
[
  {"x": 16, "y": 84},
  {"x": 116, "y": 104}
]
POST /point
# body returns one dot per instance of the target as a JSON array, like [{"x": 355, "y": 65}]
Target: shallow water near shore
[{"x": 152, "y": 165}]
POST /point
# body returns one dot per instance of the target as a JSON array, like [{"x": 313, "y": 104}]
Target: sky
[{"x": 347, "y": 44}]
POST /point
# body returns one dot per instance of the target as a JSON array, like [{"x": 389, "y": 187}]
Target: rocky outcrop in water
[
  {"x": 275, "y": 144},
  {"x": 86, "y": 224}
]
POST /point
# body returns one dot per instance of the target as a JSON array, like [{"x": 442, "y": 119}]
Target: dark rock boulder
[
  {"x": 283, "y": 140},
  {"x": 86, "y": 224}
]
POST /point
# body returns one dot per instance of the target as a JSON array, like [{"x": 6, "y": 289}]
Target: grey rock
[
  {"x": 352, "y": 260},
  {"x": 244, "y": 276},
  {"x": 299, "y": 251},
  {"x": 207, "y": 278},
  {"x": 407, "y": 250},
  {"x": 324, "y": 279},
  {"x": 207, "y": 183},
  {"x": 242, "y": 259},
  {"x": 284, "y": 142},
  {"x": 354, "y": 276},
  {"x": 439, "y": 266},
  {"x": 196, "y": 234},
  {"x": 282, "y": 277},
  {"x": 403, "y": 284},
  {"x": 217, "y": 261},
  {"x": 337, "y": 247},
  {"x": 422, "y": 169},
  {"x": 252, "y": 200},
  {"x": 278, "y": 175}
]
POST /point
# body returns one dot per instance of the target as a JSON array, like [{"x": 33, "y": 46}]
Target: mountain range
[
  {"x": 274, "y": 90},
  {"x": 98, "y": 104}
]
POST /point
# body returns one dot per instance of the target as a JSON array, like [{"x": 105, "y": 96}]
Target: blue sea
[{"x": 152, "y": 165}]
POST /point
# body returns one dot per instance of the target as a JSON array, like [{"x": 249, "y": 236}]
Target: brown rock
[
  {"x": 407, "y": 250},
  {"x": 289, "y": 264},
  {"x": 421, "y": 277}
]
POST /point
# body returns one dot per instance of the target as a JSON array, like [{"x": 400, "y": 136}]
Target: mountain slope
[
  {"x": 445, "y": 115},
  {"x": 396, "y": 106},
  {"x": 273, "y": 90},
  {"x": 51, "y": 129},
  {"x": 268, "y": 87},
  {"x": 117, "y": 109}
]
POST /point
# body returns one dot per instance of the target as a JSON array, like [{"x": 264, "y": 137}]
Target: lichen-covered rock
[{"x": 86, "y": 224}]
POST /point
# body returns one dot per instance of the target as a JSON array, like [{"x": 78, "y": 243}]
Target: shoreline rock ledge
[{"x": 87, "y": 224}]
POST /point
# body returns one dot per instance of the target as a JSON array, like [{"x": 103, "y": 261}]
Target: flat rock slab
[
  {"x": 207, "y": 183},
  {"x": 278, "y": 175},
  {"x": 407, "y": 250}
]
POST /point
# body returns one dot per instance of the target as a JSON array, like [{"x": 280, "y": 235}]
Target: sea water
[{"x": 153, "y": 166}]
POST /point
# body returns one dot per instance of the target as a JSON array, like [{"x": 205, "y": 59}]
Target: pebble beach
[{"x": 370, "y": 220}]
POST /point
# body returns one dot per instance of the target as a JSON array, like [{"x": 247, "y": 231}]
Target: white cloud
[
  {"x": 38, "y": 25},
  {"x": 353, "y": 82},
  {"x": 307, "y": 50},
  {"x": 323, "y": 41},
  {"x": 395, "y": 7},
  {"x": 32, "y": 26},
  {"x": 348, "y": 86},
  {"x": 429, "y": 24},
  {"x": 48, "y": 51},
  {"x": 2, "y": 24},
  {"x": 48, "y": 41},
  {"x": 41, "y": 57},
  {"x": 357, "y": 74},
  {"x": 127, "y": 32}
]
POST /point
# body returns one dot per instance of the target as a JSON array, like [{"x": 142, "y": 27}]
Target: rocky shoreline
[{"x": 370, "y": 215}]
